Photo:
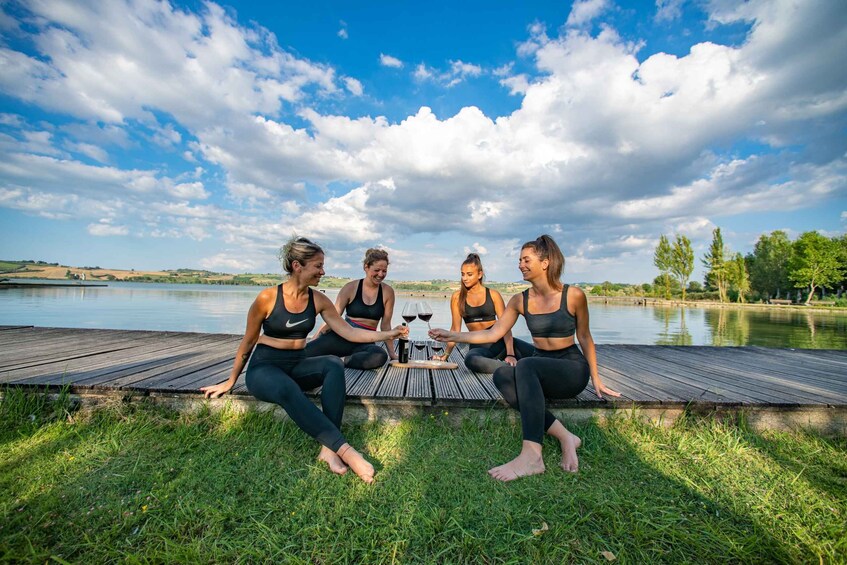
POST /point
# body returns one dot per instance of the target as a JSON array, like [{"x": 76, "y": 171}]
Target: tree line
[{"x": 811, "y": 265}]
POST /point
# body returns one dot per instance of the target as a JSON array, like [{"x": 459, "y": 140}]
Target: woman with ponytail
[
  {"x": 278, "y": 323},
  {"x": 555, "y": 314},
  {"x": 480, "y": 306},
  {"x": 368, "y": 302}
]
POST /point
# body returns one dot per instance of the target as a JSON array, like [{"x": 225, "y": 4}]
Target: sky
[{"x": 160, "y": 135}]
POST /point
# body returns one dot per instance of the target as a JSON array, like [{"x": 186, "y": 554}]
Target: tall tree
[
  {"x": 663, "y": 259},
  {"x": 815, "y": 262},
  {"x": 715, "y": 262},
  {"x": 682, "y": 261},
  {"x": 738, "y": 277},
  {"x": 769, "y": 264}
]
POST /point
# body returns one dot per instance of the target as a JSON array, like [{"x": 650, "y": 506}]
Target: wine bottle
[{"x": 403, "y": 346}]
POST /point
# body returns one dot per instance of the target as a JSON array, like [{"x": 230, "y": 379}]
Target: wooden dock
[{"x": 147, "y": 363}]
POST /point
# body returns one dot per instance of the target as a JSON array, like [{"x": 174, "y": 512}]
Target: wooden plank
[
  {"x": 95, "y": 365},
  {"x": 367, "y": 384},
  {"x": 136, "y": 360},
  {"x": 393, "y": 383},
  {"x": 760, "y": 383},
  {"x": 418, "y": 384},
  {"x": 723, "y": 384}
]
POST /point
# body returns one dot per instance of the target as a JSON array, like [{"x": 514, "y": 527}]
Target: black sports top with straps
[
  {"x": 559, "y": 323},
  {"x": 358, "y": 309},
  {"x": 283, "y": 324},
  {"x": 482, "y": 313}
]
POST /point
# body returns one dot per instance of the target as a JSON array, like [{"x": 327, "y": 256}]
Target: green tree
[
  {"x": 682, "y": 261},
  {"x": 715, "y": 262},
  {"x": 737, "y": 276},
  {"x": 769, "y": 264},
  {"x": 815, "y": 262},
  {"x": 663, "y": 259}
]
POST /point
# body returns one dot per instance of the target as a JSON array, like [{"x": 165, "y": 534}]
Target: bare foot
[
  {"x": 570, "y": 443},
  {"x": 336, "y": 465},
  {"x": 359, "y": 464},
  {"x": 529, "y": 462}
]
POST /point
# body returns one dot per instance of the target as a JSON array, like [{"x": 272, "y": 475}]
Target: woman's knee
[{"x": 504, "y": 378}]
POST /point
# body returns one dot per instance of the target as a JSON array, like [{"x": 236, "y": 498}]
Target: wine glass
[
  {"x": 437, "y": 347},
  {"x": 420, "y": 345},
  {"x": 425, "y": 312},
  {"x": 410, "y": 312}
]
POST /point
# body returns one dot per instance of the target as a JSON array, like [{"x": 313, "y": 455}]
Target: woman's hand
[
  {"x": 511, "y": 360},
  {"x": 215, "y": 391},
  {"x": 440, "y": 357},
  {"x": 439, "y": 334},
  {"x": 603, "y": 389},
  {"x": 401, "y": 331}
]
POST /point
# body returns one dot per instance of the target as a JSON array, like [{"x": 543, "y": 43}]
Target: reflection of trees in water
[
  {"x": 672, "y": 333},
  {"x": 776, "y": 328},
  {"x": 729, "y": 327}
]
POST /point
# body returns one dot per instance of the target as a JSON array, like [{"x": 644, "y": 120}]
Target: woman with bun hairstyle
[
  {"x": 479, "y": 307},
  {"x": 277, "y": 325},
  {"x": 368, "y": 302},
  {"x": 555, "y": 313}
]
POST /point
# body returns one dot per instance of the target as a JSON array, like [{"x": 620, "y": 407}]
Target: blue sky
[{"x": 154, "y": 135}]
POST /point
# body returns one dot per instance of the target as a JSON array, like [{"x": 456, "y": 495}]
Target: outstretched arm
[
  {"x": 455, "y": 326},
  {"x": 586, "y": 341},
  {"x": 330, "y": 315},
  {"x": 492, "y": 334},
  {"x": 499, "y": 308},
  {"x": 341, "y": 302}
]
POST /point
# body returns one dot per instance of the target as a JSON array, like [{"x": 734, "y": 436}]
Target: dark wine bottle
[{"x": 403, "y": 346}]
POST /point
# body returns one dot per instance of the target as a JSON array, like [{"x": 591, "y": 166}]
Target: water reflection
[
  {"x": 223, "y": 309},
  {"x": 673, "y": 328}
]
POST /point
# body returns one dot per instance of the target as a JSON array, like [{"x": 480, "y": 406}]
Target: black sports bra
[
  {"x": 358, "y": 309},
  {"x": 482, "y": 313},
  {"x": 283, "y": 324},
  {"x": 559, "y": 323}
]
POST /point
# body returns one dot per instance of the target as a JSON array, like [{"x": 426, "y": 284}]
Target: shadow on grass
[{"x": 243, "y": 487}]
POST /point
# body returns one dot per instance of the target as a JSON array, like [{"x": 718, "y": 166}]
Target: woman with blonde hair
[
  {"x": 479, "y": 307},
  {"x": 555, "y": 314},
  {"x": 367, "y": 301},
  {"x": 277, "y": 325}
]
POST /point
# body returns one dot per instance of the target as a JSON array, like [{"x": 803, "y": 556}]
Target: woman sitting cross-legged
[
  {"x": 486, "y": 308},
  {"x": 277, "y": 325},
  {"x": 554, "y": 314},
  {"x": 367, "y": 301}
]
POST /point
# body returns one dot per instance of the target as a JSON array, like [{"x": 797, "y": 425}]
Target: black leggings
[
  {"x": 562, "y": 373},
  {"x": 359, "y": 355},
  {"x": 488, "y": 357},
  {"x": 280, "y": 376}
]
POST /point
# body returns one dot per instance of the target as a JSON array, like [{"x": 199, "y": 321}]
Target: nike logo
[{"x": 288, "y": 323}]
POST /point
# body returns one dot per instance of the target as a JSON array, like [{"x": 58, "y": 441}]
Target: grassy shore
[{"x": 139, "y": 483}]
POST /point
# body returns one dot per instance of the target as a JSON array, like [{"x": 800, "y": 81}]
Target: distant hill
[{"x": 55, "y": 271}]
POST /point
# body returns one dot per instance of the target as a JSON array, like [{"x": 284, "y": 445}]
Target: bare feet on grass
[
  {"x": 359, "y": 464},
  {"x": 569, "y": 444},
  {"x": 336, "y": 465},
  {"x": 529, "y": 462}
]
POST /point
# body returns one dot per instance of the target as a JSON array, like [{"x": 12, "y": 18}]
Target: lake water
[{"x": 223, "y": 309}]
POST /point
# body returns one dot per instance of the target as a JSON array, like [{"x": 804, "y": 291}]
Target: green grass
[{"x": 136, "y": 482}]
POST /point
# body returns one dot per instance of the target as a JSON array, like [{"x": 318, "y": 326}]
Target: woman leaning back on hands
[
  {"x": 277, "y": 325},
  {"x": 554, "y": 314}
]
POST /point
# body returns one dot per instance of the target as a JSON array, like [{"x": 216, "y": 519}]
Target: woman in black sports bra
[
  {"x": 278, "y": 323},
  {"x": 554, "y": 313},
  {"x": 481, "y": 357},
  {"x": 367, "y": 302}
]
